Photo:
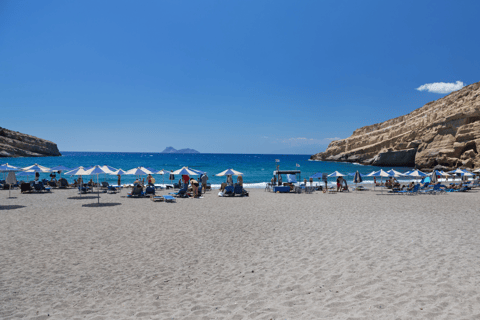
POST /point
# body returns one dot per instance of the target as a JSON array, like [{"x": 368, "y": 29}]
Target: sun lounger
[
  {"x": 39, "y": 187},
  {"x": 182, "y": 193},
  {"x": 169, "y": 198}
]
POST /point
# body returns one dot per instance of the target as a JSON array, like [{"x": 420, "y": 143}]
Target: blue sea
[{"x": 257, "y": 168}]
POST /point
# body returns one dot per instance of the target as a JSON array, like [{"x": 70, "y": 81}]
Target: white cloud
[
  {"x": 441, "y": 87},
  {"x": 331, "y": 139}
]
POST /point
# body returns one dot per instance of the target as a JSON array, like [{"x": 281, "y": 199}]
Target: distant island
[{"x": 173, "y": 150}]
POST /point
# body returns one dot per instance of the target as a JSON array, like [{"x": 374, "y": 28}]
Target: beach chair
[
  {"x": 229, "y": 191},
  {"x": 150, "y": 191},
  {"x": 112, "y": 189},
  {"x": 182, "y": 193},
  {"x": 238, "y": 190},
  {"x": 26, "y": 187},
  {"x": 63, "y": 183},
  {"x": 136, "y": 193},
  {"x": 40, "y": 187},
  {"x": 84, "y": 188}
]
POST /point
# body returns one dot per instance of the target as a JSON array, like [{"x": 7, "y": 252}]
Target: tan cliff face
[
  {"x": 16, "y": 144},
  {"x": 445, "y": 132}
]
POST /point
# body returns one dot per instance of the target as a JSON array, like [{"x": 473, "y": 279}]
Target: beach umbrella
[
  {"x": 6, "y": 167},
  {"x": 336, "y": 174},
  {"x": 37, "y": 168},
  {"x": 357, "y": 178},
  {"x": 198, "y": 171},
  {"x": 186, "y": 171},
  {"x": 96, "y": 170},
  {"x": 467, "y": 173},
  {"x": 60, "y": 168},
  {"x": 395, "y": 173},
  {"x": 417, "y": 174},
  {"x": 229, "y": 172},
  {"x": 139, "y": 171},
  {"x": 108, "y": 168},
  {"x": 476, "y": 171},
  {"x": 317, "y": 175},
  {"x": 433, "y": 176},
  {"x": 163, "y": 172},
  {"x": 11, "y": 179},
  {"x": 119, "y": 172},
  {"x": 25, "y": 173},
  {"x": 380, "y": 173},
  {"x": 80, "y": 171}
]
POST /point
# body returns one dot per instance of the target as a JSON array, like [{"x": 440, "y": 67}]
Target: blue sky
[{"x": 225, "y": 76}]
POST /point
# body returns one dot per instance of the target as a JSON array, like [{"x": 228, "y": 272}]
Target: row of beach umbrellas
[{"x": 96, "y": 170}]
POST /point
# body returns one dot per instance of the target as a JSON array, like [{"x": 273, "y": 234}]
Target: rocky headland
[
  {"x": 16, "y": 144},
  {"x": 444, "y": 133}
]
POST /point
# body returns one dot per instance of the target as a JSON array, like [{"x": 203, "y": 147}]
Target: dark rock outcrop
[
  {"x": 16, "y": 144},
  {"x": 445, "y": 132}
]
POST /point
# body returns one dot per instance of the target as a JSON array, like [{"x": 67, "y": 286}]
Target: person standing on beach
[
  {"x": 185, "y": 179},
  {"x": 229, "y": 180},
  {"x": 171, "y": 177},
  {"x": 119, "y": 179},
  {"x": 204, "y": 182}
]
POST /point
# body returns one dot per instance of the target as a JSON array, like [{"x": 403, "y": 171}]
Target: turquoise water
[{"x": 257, "y": 168}]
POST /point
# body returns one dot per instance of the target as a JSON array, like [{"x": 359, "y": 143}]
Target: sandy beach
[{"x": 267, "y": 256}]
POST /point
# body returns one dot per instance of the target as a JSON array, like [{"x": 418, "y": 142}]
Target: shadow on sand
[
  {"x": 11, "y": 207},
  {"x": 96, "y": 205}
]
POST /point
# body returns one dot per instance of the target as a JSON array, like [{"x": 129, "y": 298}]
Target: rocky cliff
[
  {"x": 444, "y": 133},
  {"x": 16, "y": 144}
]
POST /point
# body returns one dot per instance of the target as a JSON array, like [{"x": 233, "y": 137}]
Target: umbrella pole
[{"x": 98, "y": 190}]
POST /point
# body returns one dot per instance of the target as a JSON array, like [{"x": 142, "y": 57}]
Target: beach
[{"x": 364, "y": 255}]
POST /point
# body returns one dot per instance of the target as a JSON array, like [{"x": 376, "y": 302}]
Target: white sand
[{"x": 269, "y": 256}]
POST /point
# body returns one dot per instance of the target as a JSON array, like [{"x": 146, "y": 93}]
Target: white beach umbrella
[
  {"x": 37, "y": 168},
  {"x": 186, "y": 171},
  {"x": 139, "y": 171},
  {"x": 118, "y": 172},
  {"x": 395, "y": 173},
  {"x": 417, "y": 174},
  {"x": 336, "y": 174},
  {"x": 229, "y": 172},
  {"x": 80, "y": 171}
]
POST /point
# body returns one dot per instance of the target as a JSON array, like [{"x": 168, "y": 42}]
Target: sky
[{"x": 226, "y": 76}]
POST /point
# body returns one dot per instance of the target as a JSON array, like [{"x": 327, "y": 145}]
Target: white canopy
[{"x": 229, "y": 172}]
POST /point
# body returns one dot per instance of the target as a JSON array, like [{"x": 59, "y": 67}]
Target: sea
[{"x": 257, "y": 169}]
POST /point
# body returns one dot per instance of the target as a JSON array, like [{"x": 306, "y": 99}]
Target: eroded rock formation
[
  {"x": 16, "y": 144},
  {"x": 444, "y": 133}
]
